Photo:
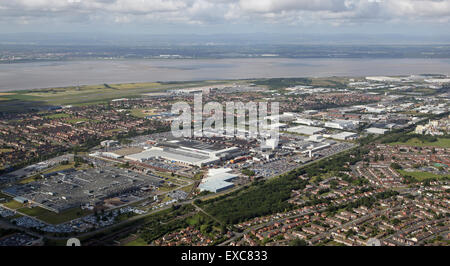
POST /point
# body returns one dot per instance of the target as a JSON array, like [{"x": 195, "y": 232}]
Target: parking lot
[{"x": 73, "y": 188}]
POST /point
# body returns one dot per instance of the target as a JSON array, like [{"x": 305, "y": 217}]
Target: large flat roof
[
  {"x": 193, "y": 144},
  {"x": 217, "y": 179},
  {"x": 307, "y": 130},
  {"x": 215, "y": 185},
  {"x": 171, "y": 154},
  {"x": 343, "y": 134}
]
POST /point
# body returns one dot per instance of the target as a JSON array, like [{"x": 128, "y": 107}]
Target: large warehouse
[
  {"x": 340, "y": 124},
  {"x": 217, "y": 180},
  {"x": 305, "y": 130},
  {"x": 185, "y": 152}
]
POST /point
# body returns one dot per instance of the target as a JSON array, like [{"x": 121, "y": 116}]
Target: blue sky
[{"x": 227, "y": 16}]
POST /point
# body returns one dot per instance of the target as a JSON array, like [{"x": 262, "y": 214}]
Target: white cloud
[
  {"x": 221, "y": 11},
  {"x": 271, "y": 6}
]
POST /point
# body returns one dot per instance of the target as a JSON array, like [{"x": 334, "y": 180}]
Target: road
[
  {"x": 353, "y": 222},
  {"x": 138, "y": 217}
]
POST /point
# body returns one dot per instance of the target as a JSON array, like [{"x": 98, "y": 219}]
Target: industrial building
[
  {"x": 287, "y": 116},
  {"x": 374, "y": 130},
  {"x": 217, "y": 180},
  {"x": 344, "y": 136},
  {"x": 305, "y": 130},
  {"x": 308, "y": 122},
  {"x": 341, "y": 124},
  {"x": 109, "y": 143},
  {"x": 376, "y": 110},
  {"x": 186, "y": 152}
]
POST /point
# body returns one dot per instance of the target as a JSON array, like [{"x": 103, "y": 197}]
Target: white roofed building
[{"x": 217, "y": 180}]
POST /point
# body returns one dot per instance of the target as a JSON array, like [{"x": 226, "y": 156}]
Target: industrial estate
[{"x": 358, "y": 161}]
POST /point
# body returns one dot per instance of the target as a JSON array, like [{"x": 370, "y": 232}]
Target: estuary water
[{"x": 20, "y": 76}]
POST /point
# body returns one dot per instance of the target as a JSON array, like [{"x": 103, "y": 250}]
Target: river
[{"x": 21, "y": 76}]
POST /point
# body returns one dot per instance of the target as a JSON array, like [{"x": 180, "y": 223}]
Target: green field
[
  {"x": 441, "y": 142},
  {"x": 60, "y": 168},
  {"x": 421, "y": 176},
  {"x": 52, "y": 217},
  {"x": 76, "y": 120},
  {"x": 89, "y": 94},
  {"x": 27, "y": 180},
  {"x": 138, "y": 242},
  {"x": 58, "y": 115},
  {"x": 5, "y": 150},
  {"x": 141, "y": 113},
  {"x": 13, "y": 205}
]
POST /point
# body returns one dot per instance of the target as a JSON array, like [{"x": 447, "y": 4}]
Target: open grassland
[
  {"x": 141, "y": 113},
  {"x": 421, "y": 176},
  {"x": 60, "y": 167},
  {"x": 138, "y": 242},
  {"x": 79, "y": 120},
  {"x": 52, "y": 217},
  {"x": 282, "y": 83},
  {"x": 441, "y": 142},
  {"x": 5, "y": 150},
  {"x": 329, "y": 82},
  {"x": 63, "y": 167},
  {"x": 56, "y": 116},
  {"x": 13, "y": 205},
  {"x": 93, "y": 94},
  {"x": 27, "y": 180}
]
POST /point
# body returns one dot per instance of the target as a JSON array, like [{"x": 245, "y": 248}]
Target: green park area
[
  {"x": 422, "y": 176},
  {"x": 69, "y": 165},
  {"x": 441, "y": 143},
  {"x": 88, "y": 94},
  {"x": 138, "y": 242},
  {"x": 141, "y": 113},
  {"x": 14, "y": 205},
  {"x": 57, "y": 115},
  {"x": 5, "y": 150},
  {"x": 52, "y": 217}
]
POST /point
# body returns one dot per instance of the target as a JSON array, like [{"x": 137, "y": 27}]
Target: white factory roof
[
  {"x": 344, "y": 135},
  {"x": 308, "y": 122},
  {"x": 217, "y": 179},
  {"x": 306, "y": 130},
  {"x": 438, "y": 80},
  {"x": 383, "y": 78},
  {"x": 172, "y": 154},
  {"x": 275, "y": 125},
  {"x": 376, "y": 130},
  {"x": 215, "y": 185}
]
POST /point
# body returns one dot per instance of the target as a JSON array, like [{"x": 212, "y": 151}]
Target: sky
[{"x": 415, "y": 17}]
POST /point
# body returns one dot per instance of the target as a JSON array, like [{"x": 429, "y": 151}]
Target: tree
[
  {"x": 396, "y": 166},
  {"x": 298, "y": 243},
  {"x": 248, "y": 172}
]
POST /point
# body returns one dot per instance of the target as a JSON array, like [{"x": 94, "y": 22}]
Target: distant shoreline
[{"x": 52, "y": 74}]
